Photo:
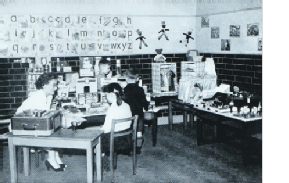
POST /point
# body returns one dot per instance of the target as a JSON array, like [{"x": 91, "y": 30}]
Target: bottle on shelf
[{"x": 58, "y": 65}]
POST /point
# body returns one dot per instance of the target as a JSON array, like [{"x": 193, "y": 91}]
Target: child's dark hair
[
  {"x": 132, "y": 73},
  {"x": 104, "y": 60},
  {"x": 45, "y": 79},
  {"x": 116, "y": 88}
]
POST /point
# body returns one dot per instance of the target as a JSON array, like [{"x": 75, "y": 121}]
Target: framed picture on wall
[
  {"x": 260, "y": 44},
  {"x": 234, "y": 30},
  {"x": 205, "y": 22},
  {"x": 225, "y": 44},
  {"x": 252, "y": 30},
  {"x": 215, "y": 32}
]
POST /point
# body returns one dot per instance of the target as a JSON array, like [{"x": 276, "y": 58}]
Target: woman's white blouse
[{"x": 36, "y": 100}]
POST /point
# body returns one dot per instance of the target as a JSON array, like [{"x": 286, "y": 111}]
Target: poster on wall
[
  {"x": 260, "y": 44},
  {"x": 252, "y": 30},
  {"x": 234, "y": 30},
  {"x": 215, "y": 32},
  {"x": 65, "y": 35},
  {"x": 225, "y": 44},
  {"x": 205, "y": 22}
]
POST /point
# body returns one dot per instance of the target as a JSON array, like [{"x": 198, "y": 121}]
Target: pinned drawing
[
  {"x": 205, "y": 22},
  {"x": 188, "y": 37},
  {"x": 215, "y": 32},
  {"x": 141, "y": 39},
  {"x": 225, "y": 45},
  {"x": 163, "y": 31},
  {"x": 252, "y": 30},
  {"x": 260, "y": 44},
  {"x": 234, "y": 30}
]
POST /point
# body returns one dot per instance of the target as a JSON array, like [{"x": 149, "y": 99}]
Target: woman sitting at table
[
  {"x": 118, "y": 110},
  {"x": 41, "y": 99}
]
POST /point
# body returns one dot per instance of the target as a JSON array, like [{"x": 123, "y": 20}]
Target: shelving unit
[{"x": 159, "y": 70}]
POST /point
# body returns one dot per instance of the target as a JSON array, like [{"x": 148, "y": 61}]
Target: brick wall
[
  {"x": 13, "y": 85},
  {"x": 244, "y": 71}
]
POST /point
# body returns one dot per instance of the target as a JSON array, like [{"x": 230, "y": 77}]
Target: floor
[{"x": 176, "y": 158}]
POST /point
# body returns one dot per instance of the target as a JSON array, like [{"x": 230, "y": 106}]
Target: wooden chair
[{"x": 113, "y": 134}]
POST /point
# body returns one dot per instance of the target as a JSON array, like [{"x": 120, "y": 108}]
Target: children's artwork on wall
[
  {"x": 205, "y": 22},
  {"x": 4, "y": 35},
  {"x": 215, "y": 32},
  {"x": 65, "y": 35},
  {"x": 234, "y": 30},
  {"x": 225, "y": 45},
  {"x": 107, "y": 21},
  {"x": 122, "y": 34},
  {"x": 260, "y": 44},
  {"x": 58, "y": 22},
  {"x": 25, "y": 49},
  {"x": 188, "y": 37},
  {"x": 59, "y": 48},
  {"x": 163, "y": 31},
  {"x": 141, "y": 39},
  {"x": 252, "y": 30},
  {"x": 74, "y": 48},
  {"x": 23, "y": 22}
]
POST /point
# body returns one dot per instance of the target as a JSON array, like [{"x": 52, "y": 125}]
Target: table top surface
[
  {"x": 216, "y": 111},
  {"x": 80, "y": 134},
  {"x": 230, "y": 115}
]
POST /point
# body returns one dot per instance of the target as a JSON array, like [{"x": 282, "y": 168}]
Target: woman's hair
[
  {"x": 116, "y": 88},
  {"x": 44, "y": 79}
]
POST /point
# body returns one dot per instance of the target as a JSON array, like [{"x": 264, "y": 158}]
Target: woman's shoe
[
  {"x": 63, "y": 165},
  {"x": 48, "y": 166}
]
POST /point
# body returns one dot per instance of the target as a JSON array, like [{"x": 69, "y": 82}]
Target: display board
[{"x": 64, "y": 35}]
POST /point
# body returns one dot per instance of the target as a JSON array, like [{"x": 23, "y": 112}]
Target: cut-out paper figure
[
  {"x": 141, "y": 38},
  {"x": 163, "y": 31},
  {"x": 188, "y": 37}
]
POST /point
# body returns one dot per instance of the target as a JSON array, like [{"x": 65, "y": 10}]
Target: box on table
[
  {"x": 164, "y": 77},
  {"x": 45, "y": 125},
  {"x": 191, "y": 69}
]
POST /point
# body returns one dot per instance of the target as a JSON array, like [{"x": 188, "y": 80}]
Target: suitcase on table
[{"x": 44, "y": 124}]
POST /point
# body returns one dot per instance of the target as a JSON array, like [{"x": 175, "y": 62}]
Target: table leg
[
  {"x": 89, "y": 163},
  {"x": 26, "y": 154},
  {"x": 185, "y": 120},
  {"x": 12, "y": 157},
  {"x": 191, "y": 116},
  {"x": 155, "y": 129},
  {"x": 200, "y": 129},
  {"x": 98, "y": 161},
  {"x": 36, "y": 157},
  {"x": 245, "y": 146},
  {"x": 19, "y": 158},
  {"x": 170, "y": 116}
]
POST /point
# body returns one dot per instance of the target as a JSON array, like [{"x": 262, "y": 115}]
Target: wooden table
[
  {"x": 185, "y": 108},
  {"x": 219, "y": 119},
  {"x": 63, "y": 138}
]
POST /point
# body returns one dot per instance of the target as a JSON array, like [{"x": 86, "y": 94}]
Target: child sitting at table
[{"x": 118, "y": 110}]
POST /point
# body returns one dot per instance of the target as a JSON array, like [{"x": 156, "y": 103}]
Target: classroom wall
[
  {"x": 145, "y": 15},
  {"x": 241, "y": 66},
  {"x": 222, "y": 14}
]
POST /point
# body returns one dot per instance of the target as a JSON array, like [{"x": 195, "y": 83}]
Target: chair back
[
  {"x": 118, "y": 134},
  {"x": 122, "y": 133}
]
